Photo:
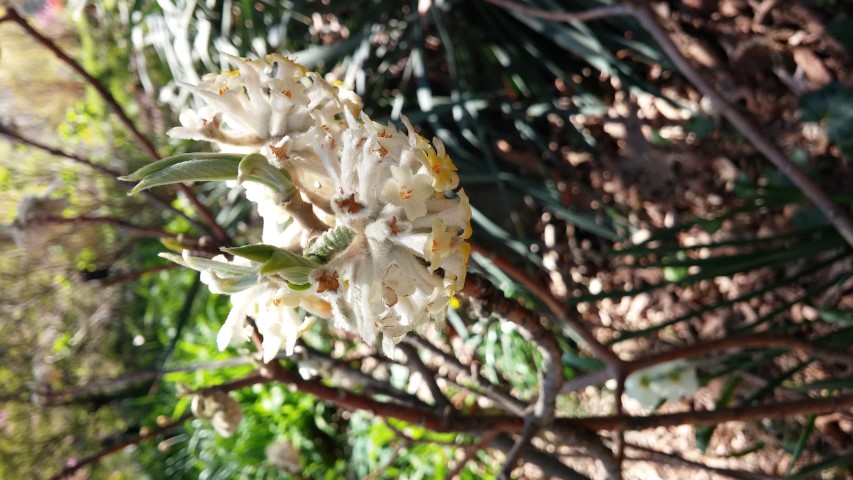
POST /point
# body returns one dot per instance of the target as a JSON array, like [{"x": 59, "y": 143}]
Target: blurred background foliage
[{"x": 661, "y": 229}]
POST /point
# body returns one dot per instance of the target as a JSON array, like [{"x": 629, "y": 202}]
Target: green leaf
[
  {"x": 254, "y": 167},
  {"x": 704, "y": 433},
  {"x": 276, "y": 261},
  {"x": 842, "y": 30},
  {"x": 181, "y": 407},
  {"x": 186, "y": 167},
  {"x": 828, "y": 384},
  {"x": 844, "y": 317},
  {"x": 222, "y": 269},
  {"x": 832, "y": 105},
  {"x": 810, "y": 471},
  {"x": 676, "y": 273},
  {"x": 801, "y": 444},
  {"x": 258, "y": 252},
  {"x": 328, "y": 244},
  {"x": 290, "y": 266},
  {"x": 298, "y": 287}
]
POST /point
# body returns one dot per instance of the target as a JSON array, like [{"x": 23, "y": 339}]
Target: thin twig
[
  {"x": 135, "y": 274},
  {"x": 551, "y": 467},
  {"x": 737, "y": 343},
  {"x": 559, "y": 310},
  {"x": 651, "y": 455},
  {"x": 112, "y": 103},
  {"x": 619, "y": 434},
  {"x": 491, "y": 391},
  {"x": 412, "y": 413},
  {"x": 584, "y": 16},
  {"x": 816, "y": 406},
  {"x": 135, "y": 377},
  {"x": 747, "y": 126},
  {"x": 486, "y": 299},
  {"x": 14, "y": 135},
  {"x": 89, "y": 220},
  {"x": 69, "y": 470},
  {"x": 146, "y": 145},
  {"x": 594, "y": 378},
  {"x": 249, "y": 380},
  {"x": 522, "y": 443},
  {"x": 417, "y": 365},
  {"x": 368, "y": 383},
  {"x": 471, "y": 451},
  {"x": 712, "y": 347},
  {"x": 592, "y": 443}
]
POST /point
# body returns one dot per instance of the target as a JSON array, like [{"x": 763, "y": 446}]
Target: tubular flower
[
  {"x": 409, "y": 253},
  {"x": 263, "y": 103},
  {"x": 271, "y": 304},
  {"x": 275, "y": 107},
  {"x": 395, "y": 250}
]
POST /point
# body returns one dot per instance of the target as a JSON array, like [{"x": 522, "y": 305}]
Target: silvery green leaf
[
  {"x": 257, "y": 253},
  {"x": 298, "y": 287},
  {"x": 328, "y": 244},
  {"x": 174, "y": 258},
  {"x": 231, "y": 285},
  {"x": 222, "y": 269},
  {"x": 186, "y": 167},
  {"x": 290, "y": 266},
  {"x": 255, "y": 168}
]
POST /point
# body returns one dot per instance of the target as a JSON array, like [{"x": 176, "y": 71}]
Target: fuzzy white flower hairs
[
  {"x": 408, "y": 255},
  {"x": 362, "y": 222}
]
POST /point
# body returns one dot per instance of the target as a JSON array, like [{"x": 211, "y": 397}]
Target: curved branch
[
  {"x": 641, "y": 12},
  {"x": 417, "y": 365},
  {"x": 4, "y": 130},
  {"x": 146, "y": 145},
  {"x": 486, "y": 299},
  {"x": 816, "y": 406},
  {"x": 85, "y": 219},
  {"x": 736, "y": 343},
  {"x": 745, "y": 125},
  {"x": 559, "y": 310},
  {"x": 712, "y": 347},
  {"x": 69, "y": 470}
]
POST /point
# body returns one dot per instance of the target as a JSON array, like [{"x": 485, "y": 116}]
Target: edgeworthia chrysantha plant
[{"x": 362, "y": 222}]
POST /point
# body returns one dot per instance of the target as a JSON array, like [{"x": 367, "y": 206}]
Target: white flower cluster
[
  {"x": 391, "y": 191},
  {"x": 390, "y": 188},
  {"x": 668, "y": 381}
]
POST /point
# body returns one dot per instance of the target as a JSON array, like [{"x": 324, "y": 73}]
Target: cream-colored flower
[
  {"x": 396, "y": 284},
  {"x": 270, "y": 302},
  {"x": 275, "y": 107},
  {"x": 665, "y": 382},
  {"x": 443, "y": 169},
  {"x": 388, "y": 280},
  {"x": 408, "y": 190},
  {"x": 261, "y": 103},
  {"x": 392, "y": 190}
]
